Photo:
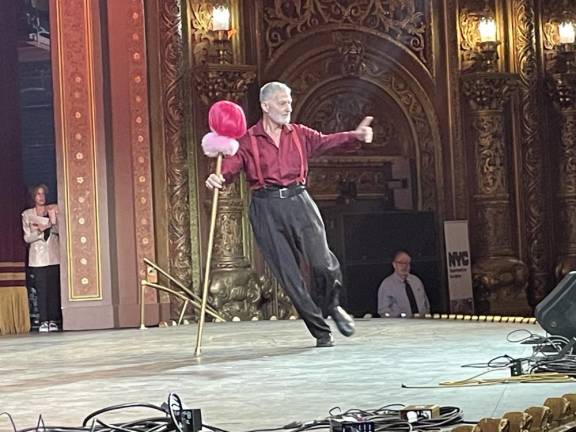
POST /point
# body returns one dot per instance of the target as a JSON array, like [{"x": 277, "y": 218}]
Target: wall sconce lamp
[
  {"x": 487, "y": 30},
  {"x": 221, "y": 26},
  {"x": 566, "y": 33},
  {"x": 566, "y": 47},
  {"x": 488, "y": 45}
]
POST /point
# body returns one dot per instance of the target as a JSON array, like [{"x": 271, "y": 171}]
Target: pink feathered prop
[{"x": 227, "y": 123}]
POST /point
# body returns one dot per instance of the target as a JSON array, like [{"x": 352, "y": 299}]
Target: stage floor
[{"x": 259, "y": 374}]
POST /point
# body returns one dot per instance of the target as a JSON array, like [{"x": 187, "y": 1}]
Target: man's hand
[
  {"x": 214, "y": 181},
  {"x": 364, "y": 132}
]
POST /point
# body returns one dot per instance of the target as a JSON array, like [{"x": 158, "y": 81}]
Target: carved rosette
[
  {"x": 217, "y": 82},
  {"x": 563, "y": 93},
  {"x": 487, "y": 91},
  {"x": 497, "y": 273}
]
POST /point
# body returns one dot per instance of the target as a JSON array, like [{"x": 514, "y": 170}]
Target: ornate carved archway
[{"x": 348, "y": 61}]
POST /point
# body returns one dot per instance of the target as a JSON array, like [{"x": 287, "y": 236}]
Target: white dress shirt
[
  {"x": 392, "y": 298},
  {"x": 42, "y": 252}
]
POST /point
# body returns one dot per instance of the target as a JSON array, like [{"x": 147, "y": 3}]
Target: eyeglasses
[{"x": 403, "y": 262}]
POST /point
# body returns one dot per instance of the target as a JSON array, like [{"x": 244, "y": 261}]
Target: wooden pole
[{"x": 208, "y": 259}]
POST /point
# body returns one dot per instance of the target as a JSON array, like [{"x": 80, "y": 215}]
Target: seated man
[{"x": 402, "y": 293}]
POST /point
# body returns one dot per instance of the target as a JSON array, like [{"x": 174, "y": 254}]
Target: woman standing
[{"x": 40, "y": 225}]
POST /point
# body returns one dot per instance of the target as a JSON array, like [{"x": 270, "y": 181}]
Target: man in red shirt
[{"x": 285, "y": 220}]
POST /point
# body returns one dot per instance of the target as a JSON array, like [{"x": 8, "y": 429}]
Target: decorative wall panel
[
  {"x": 315, "y": 77},
  {"x": 79, "y": 138},
  {"x": 140, "y": 140}
]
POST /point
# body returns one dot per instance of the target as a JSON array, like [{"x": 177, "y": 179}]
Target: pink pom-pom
[
  {"x": 227, "y": 119},
  {"x": 212, "y": 144}
]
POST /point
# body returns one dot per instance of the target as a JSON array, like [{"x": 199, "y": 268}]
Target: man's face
[
  {"x": 278, "y": 107},
  {"x": 40, "y": 197},
  {"x": 401, "y": 265}
]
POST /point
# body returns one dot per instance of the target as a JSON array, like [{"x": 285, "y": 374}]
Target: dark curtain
[{"x": 13, "y": 195}]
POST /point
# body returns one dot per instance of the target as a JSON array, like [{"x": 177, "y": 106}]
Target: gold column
[
  {"x": 235, "y": 289},
  {"x": 563, "y": 92},
  {"x": 500, "y": 278}
]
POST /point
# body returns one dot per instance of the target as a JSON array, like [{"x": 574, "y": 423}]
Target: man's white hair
[{"x": 269, "y": 89}]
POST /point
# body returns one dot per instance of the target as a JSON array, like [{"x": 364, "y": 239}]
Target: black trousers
[
  {"x": 287, "y": 229},
  {"x": 47, "y": 283}
]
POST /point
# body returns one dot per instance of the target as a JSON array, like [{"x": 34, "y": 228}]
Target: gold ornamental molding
[
  {"x": 405, "y": 22},
  {"x": 313, "y": 77},
  {"x": 78, "y": 140},
  {"x": 184, "y": 259},
  {"x": 532, "y": 237},
  {"x": 223, "y": 81},
  {"x": 140, "y": 139},
  {"x": 501, "y": 279}
]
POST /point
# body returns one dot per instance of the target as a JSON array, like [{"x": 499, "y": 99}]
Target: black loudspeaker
[{"x": 557, "y": 312}]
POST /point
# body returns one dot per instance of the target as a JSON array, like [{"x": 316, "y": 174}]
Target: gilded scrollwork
[
  {"x": 343, "y": 112},
  {"x": 533, "y": 164},
  {"x": 567, "y": 195},
  {"x": 237, "y": 293},
  {"x": 179, "y": 242},
  {"x": 562, "y": 89},
  {"x": 370, "y": 181},
  {"x": 567, "y": 219},
  {"x": 390, "y": 81},
  {"x": 229, "y": 82},
  {"x": 493, "y": 233},
  {"x": 228, "y": 240},
  {"x": 351, "y": 53},
  {"x": 405, "y": 21},
  {"x": 497, "y": 273},
  {"x": 567, "y": 186},
  {"x": 488, "y": 134},
  {"x": 488, "y": 91}
]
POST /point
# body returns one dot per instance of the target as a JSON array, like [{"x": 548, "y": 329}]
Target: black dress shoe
[
  {"x": 325, "y": 341},
  {"x": 343, "y": 321}
]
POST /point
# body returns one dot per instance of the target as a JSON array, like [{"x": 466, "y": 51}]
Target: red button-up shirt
[{"x": 281, "y": 165}]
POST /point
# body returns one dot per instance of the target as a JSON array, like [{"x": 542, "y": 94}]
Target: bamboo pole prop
[
  {"x": 142, "y": 305},
  {"x": 227, "y": 123},
  {"x": 213, "y": 213},
  {"x": 182, "y": 287},
  {"x": 181, "y": 296}
]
